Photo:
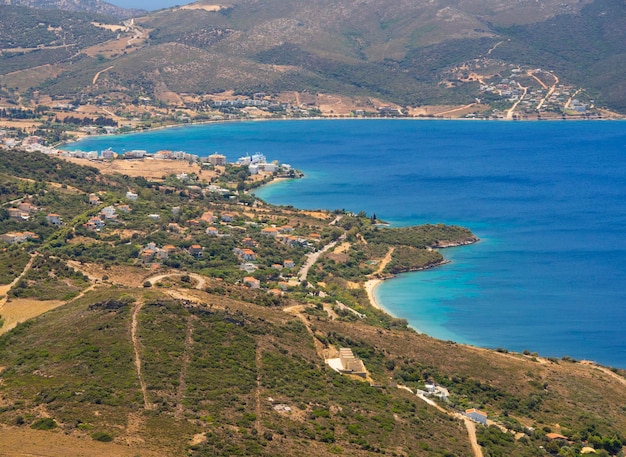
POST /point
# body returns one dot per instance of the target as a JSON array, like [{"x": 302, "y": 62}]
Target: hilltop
[{"x": 186, "y": 317}]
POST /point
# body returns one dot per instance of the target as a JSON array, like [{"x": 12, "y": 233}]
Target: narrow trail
[
  {"x": 471, "y": 433},
  {"x": 494, "y": 47},
  {"x": 97, "y": 75},
  {"x": 257, "y": 393},
  {"x": 509, "y": 114},
  {"x": 384, "y": 262},
  {"x": 311, "y": 259},
  {"x": 83, "y": 292},
  {"x": 4, "y": 290},
  {"x": 182, "y": 379},
  {"x": 469, "y": 424},
  {"x": 133, "y": 335},
  {"x": 569, "y": 100}
]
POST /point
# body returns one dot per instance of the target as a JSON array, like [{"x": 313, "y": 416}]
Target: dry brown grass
[
  {"x": 20, "y": 310},
  {"x": 446, "y": 110},
  {"x": 119, "y": 275},
  {"x": 342, "y": 248},
  {"x": 197, "y": 6},
  {"x": 111, "y": 27},
  {"x": 19, "y": 442},
  {"x": 148, "y": 168}
]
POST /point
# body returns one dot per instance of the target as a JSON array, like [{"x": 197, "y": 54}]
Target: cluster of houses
[
  {"x": 245, "y": 251},
  {"x": 257, "y": 163},
  {"x": 18, "y": 237},
  {"x": 246, "y": 255},
  {"x": 561, "y": 98},
  {"x": 151, "y": 252},
  {"x": 23, "y": 212},
  {"x": 8, "y": 142},
  {"x": 107, "y": 214},
  {"x": 283, "y": 234},
  {"x": 109, "y": 154},
  {"x": 36, "y": 144}
]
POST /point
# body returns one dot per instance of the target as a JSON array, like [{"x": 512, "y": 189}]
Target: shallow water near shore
[{"x": 547, "y": 199}]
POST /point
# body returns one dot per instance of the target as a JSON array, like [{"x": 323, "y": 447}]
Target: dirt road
[{"x": 311, "y": 259}]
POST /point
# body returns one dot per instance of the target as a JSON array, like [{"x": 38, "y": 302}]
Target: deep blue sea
[{"x": 547, "y": 199}]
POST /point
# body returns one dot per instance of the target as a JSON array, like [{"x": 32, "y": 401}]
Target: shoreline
[
  {"x": 371, "y": 285},
  {"x": 322, "y": 118}
]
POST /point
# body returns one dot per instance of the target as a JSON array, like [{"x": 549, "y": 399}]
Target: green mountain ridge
[{"x": 407, "y": 53}]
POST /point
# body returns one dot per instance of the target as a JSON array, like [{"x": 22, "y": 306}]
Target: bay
[{"x": 547, "y": 199}]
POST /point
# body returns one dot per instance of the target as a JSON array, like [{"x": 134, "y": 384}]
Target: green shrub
[
  {"x": 45, "y": 423},
  {"x": 102, "y": 436}
]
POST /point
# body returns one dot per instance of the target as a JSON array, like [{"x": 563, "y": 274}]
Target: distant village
[
  {"x": 255, "y": 163},
  {"x": 500, "y": 92}
]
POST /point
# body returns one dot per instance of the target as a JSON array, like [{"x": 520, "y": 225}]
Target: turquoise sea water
[{"x": 547, "y": 199}]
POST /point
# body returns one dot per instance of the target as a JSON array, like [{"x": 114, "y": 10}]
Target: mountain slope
[
  {"x": 137, "y": 367},
  {"x": 409, "y": 53}
]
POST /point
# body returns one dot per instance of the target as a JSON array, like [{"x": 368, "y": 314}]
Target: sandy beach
[{"x": 370, "y": 286}]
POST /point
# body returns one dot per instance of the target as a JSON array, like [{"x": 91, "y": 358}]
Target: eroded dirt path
[
  {"x": 471, "y": 433},
  {"x": 134, "y": 325},
  {"x": 384, "y": 262},
  {"x": 469, "y": 424},
  {"x": 511, "y": 111},
  {"x": 200, "y": 280},
  {"x": 550, "y": 90},
  {"x": 454, "y": 110},
  {"x": 257, "y": 393},
  {"x": 4, "y": 290},
  {"x": 182, "y": 379},
  {"x": 97, "y": 75}
]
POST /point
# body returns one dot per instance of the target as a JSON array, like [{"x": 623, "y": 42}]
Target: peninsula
[{"x": 159, "y": 316}]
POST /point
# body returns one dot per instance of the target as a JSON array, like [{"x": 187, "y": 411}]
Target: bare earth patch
[
  {"x": 121, "y": 275},
  {"x": 148, "y": 168},
  {"x": 342, "y": 248},
  {"x": 197, "y": 6}
]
